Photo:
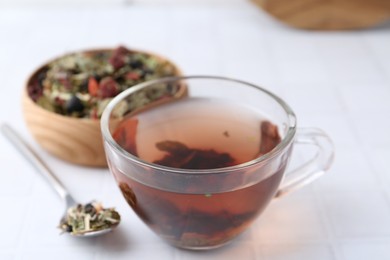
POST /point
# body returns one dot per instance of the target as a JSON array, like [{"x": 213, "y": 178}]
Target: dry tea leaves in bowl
[{"x": 81, "y": 84}]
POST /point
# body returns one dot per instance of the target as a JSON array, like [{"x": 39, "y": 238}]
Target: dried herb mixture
[
  {"x": 82, "y": 219},
  {"x": 81, "y": 84}
]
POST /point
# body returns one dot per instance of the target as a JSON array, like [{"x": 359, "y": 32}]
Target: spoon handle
[{"x": 35, "y": 160}]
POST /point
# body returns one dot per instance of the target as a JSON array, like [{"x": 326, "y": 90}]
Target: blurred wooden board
[{"x": 328, "y": 14}]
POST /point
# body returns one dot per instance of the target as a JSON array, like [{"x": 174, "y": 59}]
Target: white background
[{"x": 338, "y": 81}]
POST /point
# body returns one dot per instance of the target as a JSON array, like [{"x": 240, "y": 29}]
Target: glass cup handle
[{"x": 315, "y": 167}]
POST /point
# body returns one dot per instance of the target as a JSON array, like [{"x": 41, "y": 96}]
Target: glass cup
[{"x": 165, "y": 153}]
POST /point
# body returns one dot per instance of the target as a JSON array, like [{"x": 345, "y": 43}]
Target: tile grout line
[
  {"x": 26, "y": 221},
  {"x": 335, "y": 249},
  {"x": 320, "y": 206},
  {"x": 380, "y": 179},
  {"x": 364, "y": 148},
  {"x": 347, "y": 113},
  {"x": 377, "y": 62}
]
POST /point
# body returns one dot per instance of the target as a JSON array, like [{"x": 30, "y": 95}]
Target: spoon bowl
[{"x": 52, "y": 179}]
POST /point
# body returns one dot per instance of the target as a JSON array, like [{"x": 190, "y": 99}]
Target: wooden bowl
[
  {"x": 75, "y": 140},
  {"x": 328, "y": 15}
]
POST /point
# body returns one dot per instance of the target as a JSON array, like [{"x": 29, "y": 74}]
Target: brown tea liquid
[{"x": 198, "y": 134}]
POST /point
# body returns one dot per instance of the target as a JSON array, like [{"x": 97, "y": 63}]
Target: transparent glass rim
[{"x": 107, "y": 137}]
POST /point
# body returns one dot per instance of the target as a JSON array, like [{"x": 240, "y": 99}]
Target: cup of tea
[{"x": 199, "y": 168}]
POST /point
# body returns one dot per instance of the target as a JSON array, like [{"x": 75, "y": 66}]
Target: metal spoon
[{"x": 45, "y": 171}]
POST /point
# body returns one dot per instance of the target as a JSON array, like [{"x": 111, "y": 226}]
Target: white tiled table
[{"x": 339, "y": 81}]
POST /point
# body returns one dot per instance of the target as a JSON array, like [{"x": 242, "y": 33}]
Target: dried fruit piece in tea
[
  {"x": 131, "y": 199},
  {"x": 270, "y": 137}
]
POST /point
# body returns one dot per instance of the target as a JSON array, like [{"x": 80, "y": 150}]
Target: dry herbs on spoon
[{"x": 81, "y": 219}]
